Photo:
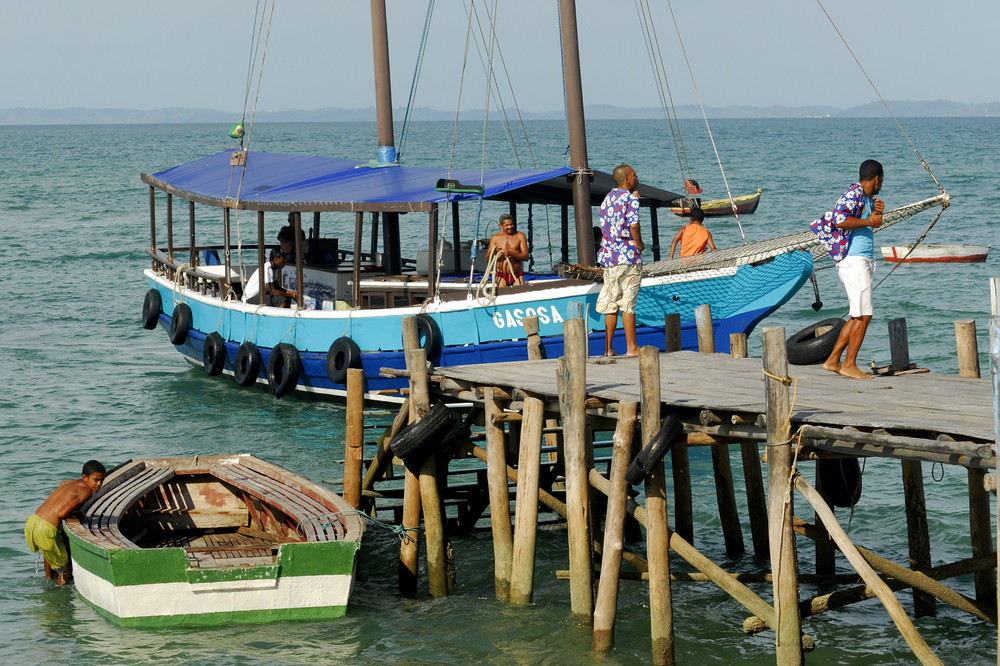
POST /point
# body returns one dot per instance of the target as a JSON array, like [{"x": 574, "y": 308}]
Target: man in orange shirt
[{"x": 693, "y": 237}]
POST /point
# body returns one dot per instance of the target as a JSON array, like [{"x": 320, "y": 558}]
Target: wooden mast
[
  {"x": 383, "y": 114},
  {"x": 577, "y": 130}
]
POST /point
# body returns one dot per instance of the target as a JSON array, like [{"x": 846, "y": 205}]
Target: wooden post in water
[
  {"x": 661, "y": 613},
  {"x": 918, "y": 535},
  {"x": 522, "y": 573},
  {"x": 537, "y": 352},
  {"x": 788, "y": 628},
  {"x": 355, "y": 436},
  {"x": 409, "y": 549},
  {"x": 671, "y": 332},
  {"x": 981, "y": 534},
  {"x": 899, "y": 344},
  {"x": 572, "y": 404},
  {"x": 706, "y": 334},
  {"x": 753, "y": 475},
  {"x": 496, "y": 474},
  {"x": 968, "y": 348},
  {"x": 725, "y": 496},
  {"x": 606, "y": 607},
  {"x": 995, "y": 381}
]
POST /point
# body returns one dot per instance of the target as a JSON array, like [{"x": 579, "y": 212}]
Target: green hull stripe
[{"x": 240, "y": 617}]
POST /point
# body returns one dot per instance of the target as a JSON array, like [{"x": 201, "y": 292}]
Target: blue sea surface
[{"x": 84, "y": 380}]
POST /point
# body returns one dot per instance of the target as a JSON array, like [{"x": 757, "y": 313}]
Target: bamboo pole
[
  {"x": 882, "y": 591},
  {"x": 384, "y": 453},
  {"x": 788, "y": 644},
  {"x": 918, "y": 535},
  {"x": 606, "y": 607},
  {"x": 526, "y": 507},
  {"x": 496, "y": 468},
  {"x": 355, "y": 436},
  {"x": 661, "y": 614},
  {"x": 968, "y": 348},
  {"x": 572, "y": 404}
]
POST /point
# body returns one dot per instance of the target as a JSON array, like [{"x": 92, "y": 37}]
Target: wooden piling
[
  {"x": 899, "y": 345},
  {"x": 752, "y": 473},
  {"x": 353, "y": 452},
  {"x": 738, "y": 345},
  {"x": 671, "y": 332},
  {"x": 706, "y": 334},
  {"x": 572, "y": 404},
  {"x": 661, "y": 614},
  {"x": 787, "y": 632},
  {"x": 606, "y": 607},
  {"x": 968, "y": 348},
  {"x": 918, "y": 535},
  {"x": 981, "y": 534},
  {"x": 725, "y": 495},
  {"x": 995, "y": 382},
  {"x": 409, "y": 548},
  {"x": 526, "y": 507},
  {"x": 496, "y": 474}
]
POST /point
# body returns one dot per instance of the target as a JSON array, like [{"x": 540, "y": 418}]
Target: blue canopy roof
[{"x": 278, "y": 182}]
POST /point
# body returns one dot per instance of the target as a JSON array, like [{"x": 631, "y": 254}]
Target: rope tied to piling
[{"x": 337, "y": 516}]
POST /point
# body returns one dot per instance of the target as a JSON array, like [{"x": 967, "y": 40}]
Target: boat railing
[{"x": 206, "y": 279}]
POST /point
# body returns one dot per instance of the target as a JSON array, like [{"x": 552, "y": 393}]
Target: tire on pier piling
[{"x": 652, "y": 454}]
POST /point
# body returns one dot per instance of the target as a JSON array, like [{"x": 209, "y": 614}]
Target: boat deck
[{"x": 231, "y": 549}]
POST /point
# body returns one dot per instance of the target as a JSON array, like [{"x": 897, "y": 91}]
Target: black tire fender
[
  {"x": 283, "y": 369},
  {"x": 652, "y": 454},
  {"x": 840, "y": 480},
  {"x": 343, "y": 355},
  {"x": 246, "y": 365},
  {"x": 180, "y": 323},
  {"x": 418, "y": 439},
  {"x": 213, "y": 354},
  {"x": 151, "y": 306},
  {"x": 428, "y": 334},
  {"x": 807, "y": 348}
]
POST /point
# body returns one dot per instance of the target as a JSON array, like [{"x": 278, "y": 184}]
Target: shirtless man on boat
[
  {"x": 42, "y": 530},
  {"x": 510, "y": 248}
]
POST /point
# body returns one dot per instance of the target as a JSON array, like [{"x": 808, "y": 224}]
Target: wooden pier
[{"x": 537, "y": 422}]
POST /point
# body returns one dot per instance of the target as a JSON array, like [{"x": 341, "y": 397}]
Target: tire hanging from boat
[
  {"x": 180, "y": 323},
  {"x": 807, "y": 348},
  {"x": 246, "y": 365},
  {"x": 213, "y": 354},
  {"x": 418, "y": 439},
  {"x": 343, "y": 355},
  {"x": 283, "y": 369},
  {"x": 428, "y": 334},
  {"x": 652, "y": 454},
  {"x": 151, "y": 306}
]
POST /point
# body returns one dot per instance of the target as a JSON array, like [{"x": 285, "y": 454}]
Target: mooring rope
[{"x": 333, "y": 518}]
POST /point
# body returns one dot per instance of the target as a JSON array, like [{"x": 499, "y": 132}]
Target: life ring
[
  {"x": 807, "y": 348},
  {"x": 418, "y": 439},
  {"x": 652, "y": 454},
  {"x": 428, "y": 334},
  {"x": 180, "y": 323},
  {"x": 246, "y": 365},
  {"x": 151, "y": 306},
  {"x": 283, "y": 369},
  {"x": 213, "y": 354},
  {"x": 343, "y": 355},
  {"x": 840, "y": 480}
]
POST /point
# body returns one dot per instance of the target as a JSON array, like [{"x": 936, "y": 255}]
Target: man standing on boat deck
[
  {"x": 510, "y": 247},
  {"x": 274, "y": 294},
  {"x": 43, "y": 529},
  {"x": 858, "y": 213},
  {"x": 621, "y": 257}
]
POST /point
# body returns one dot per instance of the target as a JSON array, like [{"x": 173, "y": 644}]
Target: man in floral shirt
[
  {"x": 857, "y": 213},
  {"x": 621, "y": 257}
]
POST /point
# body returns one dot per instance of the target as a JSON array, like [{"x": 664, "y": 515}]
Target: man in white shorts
[{"x": 857, "y": 213}]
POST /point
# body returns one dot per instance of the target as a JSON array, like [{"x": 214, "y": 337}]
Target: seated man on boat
[
  {"x": 693, "y": 238},
  {"x": 42, "y": 530},
  {"x": 508, "y": 248},
  {"x": 286, "y": 239},
  {"x": 274, "y": 294}
]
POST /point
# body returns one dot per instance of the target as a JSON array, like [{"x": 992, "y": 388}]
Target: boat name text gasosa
[{"x": 512, "y": 318}]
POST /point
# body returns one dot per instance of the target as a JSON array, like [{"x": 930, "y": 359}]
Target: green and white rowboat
[{"x": 213, "y": 540}]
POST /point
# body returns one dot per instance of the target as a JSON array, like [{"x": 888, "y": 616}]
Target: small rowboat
[
  {"x": 936, "y": 253},
  {"x": 213, "y": 540},
  {"x": 745, "y": 205}
]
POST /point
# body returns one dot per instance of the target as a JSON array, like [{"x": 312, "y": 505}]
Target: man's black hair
[
  {"x": 93, "y": 467},
  {"x": 869, "y": 169}
]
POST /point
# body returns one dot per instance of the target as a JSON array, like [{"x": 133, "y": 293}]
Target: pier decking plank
[{"x": 921, "y": 402}]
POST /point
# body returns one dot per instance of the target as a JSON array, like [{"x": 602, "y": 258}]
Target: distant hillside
[{"x": 86, "y": 116}]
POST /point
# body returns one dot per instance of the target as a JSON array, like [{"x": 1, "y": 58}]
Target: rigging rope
[{"x": 416, "y": 79}]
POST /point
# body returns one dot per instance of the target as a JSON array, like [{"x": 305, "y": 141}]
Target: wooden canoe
[
  {"x": 935, "y": 253},
  {"x": 745, "y": 205},
  {"x": 213, "y": 540}
]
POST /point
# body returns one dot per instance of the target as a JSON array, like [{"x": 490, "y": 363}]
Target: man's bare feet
[
  {"x": 854, "y": 372},
  {"x": 632, "y": 354},
  {"x": 63, "y": 576},
  {"x": 832, "y": 367},
  {"x": 610, "y": 354}
]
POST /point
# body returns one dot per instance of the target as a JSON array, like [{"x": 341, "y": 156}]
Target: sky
[{"x": 197, "y": 53}]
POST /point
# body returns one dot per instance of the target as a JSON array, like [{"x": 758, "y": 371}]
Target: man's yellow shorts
[{"x": 44, "y": 536}]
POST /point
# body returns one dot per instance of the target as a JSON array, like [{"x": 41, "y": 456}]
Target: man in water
[
  {"x": 693, "y": 238},
  {"x": 43, "y": 530},
  {"x": 857, "y": 213},
  {"x": 510, "y": 248},
  {"x": 621, "y": 257}
]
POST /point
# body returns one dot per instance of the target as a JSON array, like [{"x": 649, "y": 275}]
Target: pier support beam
[
  {"x": 522, "y": 574},
  {"x": 496, "y": 471},
  {"x": 355, "y": 436},
  {"x": 918, "y": 535}
]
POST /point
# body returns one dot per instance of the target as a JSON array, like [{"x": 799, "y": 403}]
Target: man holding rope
[{"x": 508, "y": 248}]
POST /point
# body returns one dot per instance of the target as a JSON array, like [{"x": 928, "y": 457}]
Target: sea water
[{"x": 83, "y": 380}]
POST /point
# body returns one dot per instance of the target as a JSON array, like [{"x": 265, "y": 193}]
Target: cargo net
[{"x": 751, "y": 253}]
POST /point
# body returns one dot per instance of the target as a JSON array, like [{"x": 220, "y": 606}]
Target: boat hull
[
  {"x": 472, "y": 331},
  {"x": 745, "y": 205},
  {"x": 935, "y": 253}
]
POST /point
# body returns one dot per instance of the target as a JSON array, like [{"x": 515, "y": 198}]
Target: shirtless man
[
  {"x": 42, "y": 530},
  {"x": 511, "y": 248}
]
